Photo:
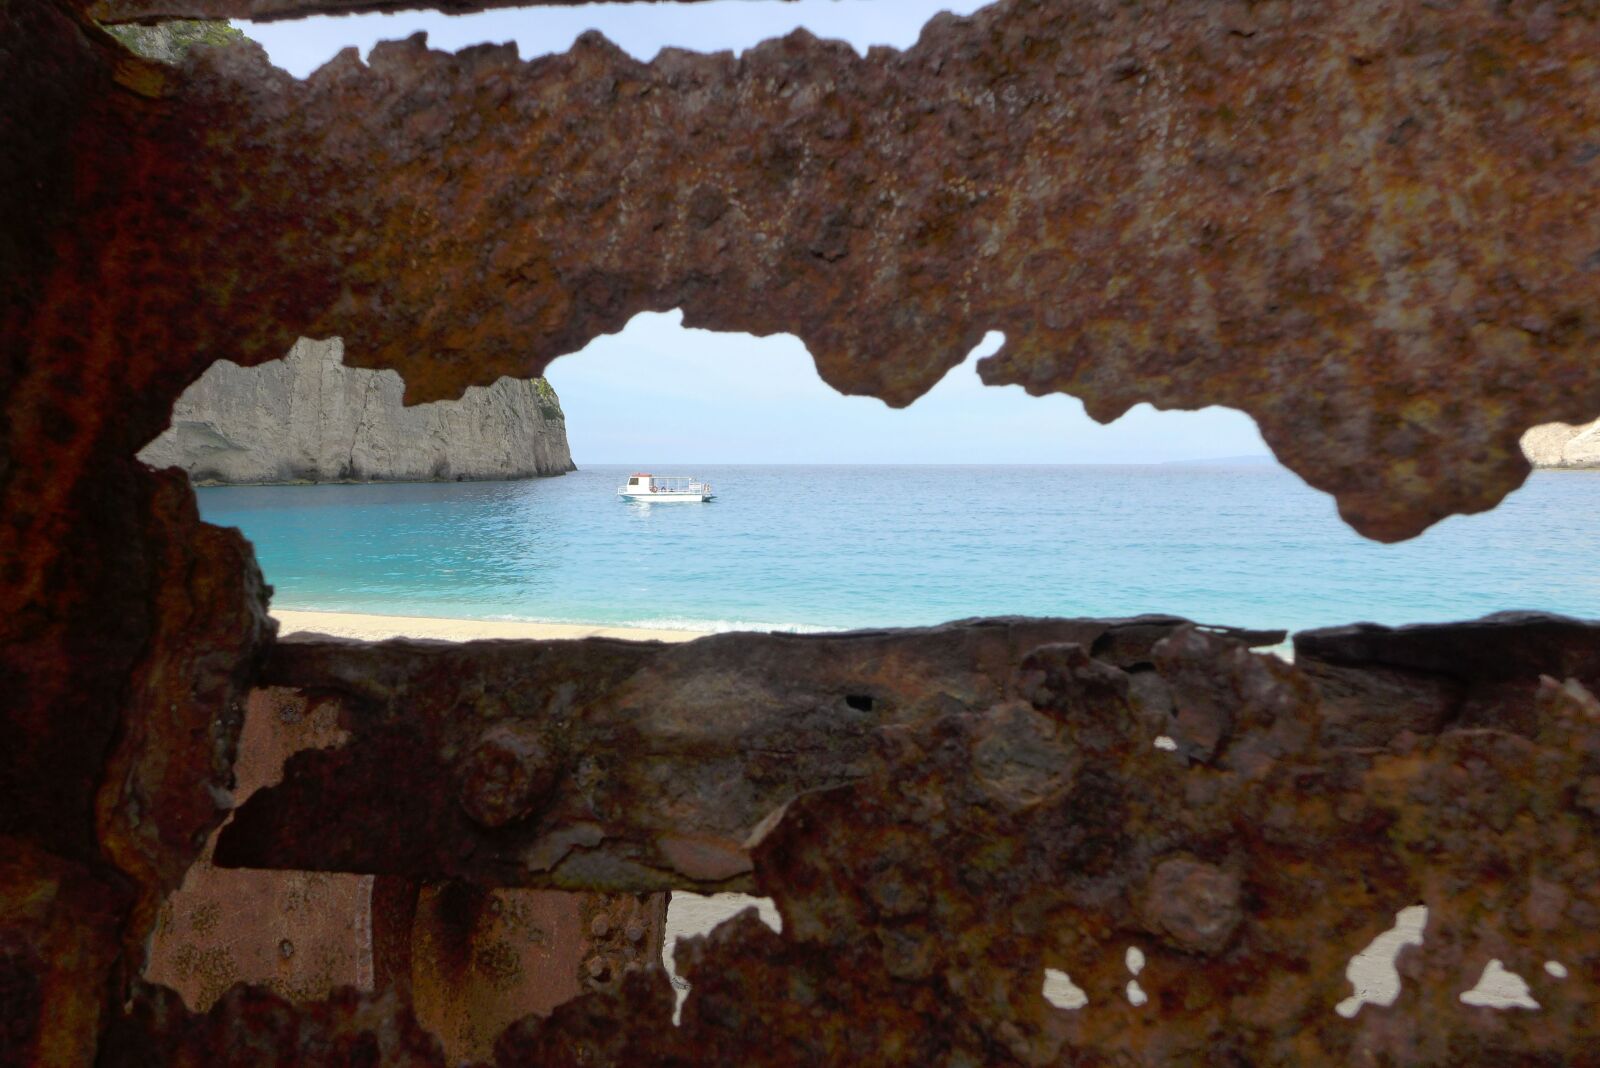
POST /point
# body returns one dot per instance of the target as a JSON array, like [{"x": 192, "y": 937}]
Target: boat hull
[{"x": 667, "y": 498}]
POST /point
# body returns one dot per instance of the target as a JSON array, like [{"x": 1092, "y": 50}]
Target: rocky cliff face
[
  {"x": 309, "y": 418},
  {"x": 169, "y": 42},
  {"x": 1563, "y": 445}
]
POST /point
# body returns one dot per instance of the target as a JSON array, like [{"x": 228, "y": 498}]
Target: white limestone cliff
[
  {"x": 309, "y": 418},
  {"x": 1563, "y": 445}
]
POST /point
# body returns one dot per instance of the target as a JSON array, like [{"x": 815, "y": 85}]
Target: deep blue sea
[{"x": 840, "y": 547}]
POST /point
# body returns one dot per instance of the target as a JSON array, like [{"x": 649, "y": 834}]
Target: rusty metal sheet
[
  {"x": 604, "y": 764},
  {"x": 487, "y": 958},
  {"x": 469, "y": 960},
  {"x": 127, "y": 628},
  {"x": 1016, "y": 814},
  {"x": 299, "y": 934},
  {"x": 61, "y": 930},
  {"x": 251, "y": 1026},
  {"x": 1371, "y": 226},
  {"x": 922, "y": 903},
  {"x": 123, "y": 11}
]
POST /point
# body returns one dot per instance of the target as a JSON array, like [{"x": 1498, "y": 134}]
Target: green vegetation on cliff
[
  {"x": 549, "y": 403},
  {"x": 168, "y": 41}
]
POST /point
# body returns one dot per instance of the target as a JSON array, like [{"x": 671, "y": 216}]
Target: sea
[{"x": 811, "y": 548}]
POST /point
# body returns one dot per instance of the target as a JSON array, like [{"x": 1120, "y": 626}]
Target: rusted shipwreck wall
[
  {"x": 471, "y": 959},
  {"x": 1372, "y": 226}
]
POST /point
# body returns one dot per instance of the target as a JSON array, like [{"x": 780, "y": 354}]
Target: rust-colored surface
[
  {"x": 922, "y": 903},
  {"x": 60, "y": 934},
  {"x": 127, "y": 628},
  {"x": 300, "y": 934},
  {"x": 488, "y": 958},
  {"x": 1372, "y": 226},
  {"x": 471, "y": 961},
  {"x": 115, "y": 11},
  {"x": 667, "y": 762},
  {"x": 251, "y": 1026},
  {"x": 485, "y": 958}
]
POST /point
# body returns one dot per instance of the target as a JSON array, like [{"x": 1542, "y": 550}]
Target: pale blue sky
[{"x": 657, "y": 393}]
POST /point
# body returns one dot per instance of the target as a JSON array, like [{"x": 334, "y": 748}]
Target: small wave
[
  {"x": 296, "y": 606},
  {"x": 724, "y": 626},
  {"x": 703, "y": 626}
]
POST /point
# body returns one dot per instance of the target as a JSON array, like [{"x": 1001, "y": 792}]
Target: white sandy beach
[{"x": 377, "y": 628}]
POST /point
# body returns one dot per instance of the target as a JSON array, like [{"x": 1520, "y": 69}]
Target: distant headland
[
  {"x": 309, "y": 418},
  {"x": 1563, "y": 445}
]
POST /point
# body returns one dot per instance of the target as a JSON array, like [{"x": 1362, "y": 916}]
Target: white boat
[{"x": 664, "y": 489}]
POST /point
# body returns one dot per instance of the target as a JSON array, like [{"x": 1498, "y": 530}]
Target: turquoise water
[{"x": 838, "y": 547}]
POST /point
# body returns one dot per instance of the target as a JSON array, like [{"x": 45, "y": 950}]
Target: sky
[{"x": 657, "y": 393}]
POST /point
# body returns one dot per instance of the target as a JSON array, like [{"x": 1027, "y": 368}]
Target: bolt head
[
  {"x": 508, "y": 775},
  {"x": 1192, "y": 905}
]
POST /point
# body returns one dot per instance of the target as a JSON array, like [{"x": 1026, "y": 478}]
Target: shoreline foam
[{"x": 371, "y": 627}]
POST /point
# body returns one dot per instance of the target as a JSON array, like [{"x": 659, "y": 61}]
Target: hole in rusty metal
[
  {"x": 1060, "y": 991},
  {"x": 1372, "y": 972},
  {"x": 301, "y": 45},
  {"x": 1134, "y": 958},
  {"x": 692, "y": 915},
  {"x": 1499, "y": 988}
]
